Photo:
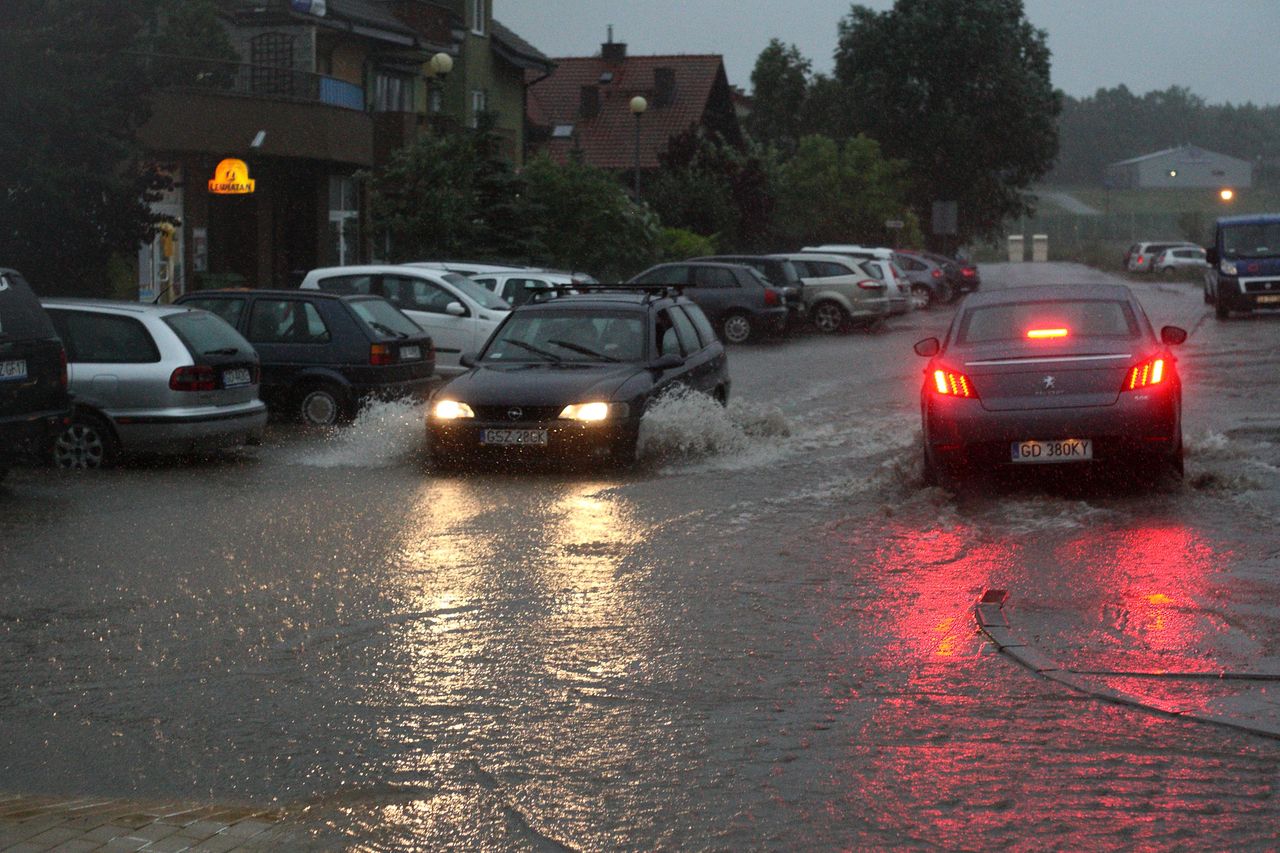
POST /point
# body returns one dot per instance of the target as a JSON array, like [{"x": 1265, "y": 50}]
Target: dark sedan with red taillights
[{"x": 1070, "y": 375}]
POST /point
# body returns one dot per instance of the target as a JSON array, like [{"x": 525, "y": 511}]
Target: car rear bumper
[
  {"x": 186, "y": 430},
  {"x": 29, "y": 435},
  {"x": 961, "y": 435}
]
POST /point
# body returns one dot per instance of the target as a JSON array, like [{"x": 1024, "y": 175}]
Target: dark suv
[
  {"x": 324, "y": 354},
  {"x": 778, "y": 271},
  {"x": 739, "y": 300},
  {"x": 33, "y": 374}
]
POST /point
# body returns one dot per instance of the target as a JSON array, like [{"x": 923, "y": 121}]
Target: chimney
[
  {"x": 589, "y": 102},
  {"x": 612, "y": 51},
  {"x": 664, "y": 86}
]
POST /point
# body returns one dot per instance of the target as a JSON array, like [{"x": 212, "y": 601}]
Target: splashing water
[
  {"x": 384, "y": 433},
  {"x": 686, "y": 425}
]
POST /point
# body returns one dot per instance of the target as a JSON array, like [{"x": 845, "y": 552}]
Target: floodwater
[{"x": 763, "y": 636}]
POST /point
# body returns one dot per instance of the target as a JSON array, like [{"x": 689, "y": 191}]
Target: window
[
  {"x": 479, "y": 105},
  {"x": 714, "y": 277},
  {"x": 689, "y": 343},
  {"x": 347, "y": 285},
  {"x": 701, "y": 323},
  {"x": 664, "y": 333},
  {"x": 478, "y": 17},
  {"x": 286, "y": 321},
  {"x": 383, "y": 318},
  {"x": 675, "y": 274},
  {"x": 104, "y": 338},
  {"x": 521, "y": 290},
  {"x": 392, "y": 93},
  {"x": 416, "y": 294},
  {"x": 271, "y": 63},
  {"x": 1084, "y": 318},
  {"x": 205, "y": 333},
  {"x": 344, "y": 218},
  {"x": 228, "y": 309}
]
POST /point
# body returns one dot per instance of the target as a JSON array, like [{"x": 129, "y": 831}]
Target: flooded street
[{"x": 762, "y": 637}]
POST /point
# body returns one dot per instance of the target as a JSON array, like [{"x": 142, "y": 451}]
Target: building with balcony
[{"x": 322, "y": 89}]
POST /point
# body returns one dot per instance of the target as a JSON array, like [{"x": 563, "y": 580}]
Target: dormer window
[{"x": 478, "y": 18}]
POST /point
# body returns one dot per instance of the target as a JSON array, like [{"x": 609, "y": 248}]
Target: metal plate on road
[
  {"x": 1061, "y": 450},
  {"x": 13, "y": 369},
  {"x": 514, "y": 437}
]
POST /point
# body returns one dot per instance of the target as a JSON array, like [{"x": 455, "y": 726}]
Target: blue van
[{"x": 1244, "y": 264}]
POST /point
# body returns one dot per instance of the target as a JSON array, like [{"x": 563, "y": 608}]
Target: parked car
[
  {"x": 739, "y": 301},
  {"x": 838, "y": 292},
  {"x": 1191, "y": 257},
  {"x": 570, "y": 378},
  {"x": 468, "y": 268},
  {"x": 1067, "y": 375},
  {"x": 517, "y": 288},
  {"x": 930, "y": 284},
  {"x": 962, "y": 276},
  {"x": 1140, "y": 257},
  {"x": 458, "y": 313},
  {"x": 779, "y": 272},
  {"x": 324, "y": 354},
  {"x": 877, "y": 261},
  {"x": 152, "y": 379},
  {"x": 34, "y": 403}
]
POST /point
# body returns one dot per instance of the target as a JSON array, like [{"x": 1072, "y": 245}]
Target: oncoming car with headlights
[
  {"x": 1046, "y": 376},
  {"x": 569, "y": 378}
]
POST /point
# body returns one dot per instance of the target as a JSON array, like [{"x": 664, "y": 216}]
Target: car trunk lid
[{"x": 1080, "y": 373}]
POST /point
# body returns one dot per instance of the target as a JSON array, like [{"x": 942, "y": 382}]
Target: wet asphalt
[{"x": 761, "y": 637}]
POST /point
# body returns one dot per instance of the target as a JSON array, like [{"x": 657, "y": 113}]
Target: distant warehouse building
[{"x": 1180, "y": 168}]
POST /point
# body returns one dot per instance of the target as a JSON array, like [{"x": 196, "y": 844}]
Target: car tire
[
  {"x": 322, "y": 406},
  {"x": 85, "y": 444},
  {"x": 921, "y": 297},
  {"x": 829, "y": 318},
  {"x": 736, "y": 328},
  {"x": 1220, "y": 309}
]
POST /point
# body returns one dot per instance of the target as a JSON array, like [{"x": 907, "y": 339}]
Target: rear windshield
[
  {"x": 1106, "y": 318},
  {"x": 1251, "y": 241},
  {"x": 206, "y": 334},
  {"x": 478, "y": 293},
  {"x": 20, "y": 313},
  {"x": 384, "y": 318}
]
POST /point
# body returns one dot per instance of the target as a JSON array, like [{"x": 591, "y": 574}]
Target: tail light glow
[
  {"x": 1042, "y": 334},
  {"x": 936, "y": 273},
  {"x": 868, "y": 284},
  {"x": 197, "y": 377},
  {"x": 1150, "y": 372},
  {"x": 952, "y": 384},
  {"x": 771, "y": 298},
  {"x": 380, "y": 354}
]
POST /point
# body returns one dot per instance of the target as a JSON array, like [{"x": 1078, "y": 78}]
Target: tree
[
  {"x": 833, "y": 192},
  {"x": 73, "y": 188},
  {"x": 961, "y": 90},
  {"x": 779, "y": 84}
]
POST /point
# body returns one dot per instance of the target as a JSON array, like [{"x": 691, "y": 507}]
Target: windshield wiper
[
  {"x": 386, "y": 330},
  {"x": 222, "y": 351},
  {"x": 536, "y": 350},
  {"x": 583, "y": 350}
]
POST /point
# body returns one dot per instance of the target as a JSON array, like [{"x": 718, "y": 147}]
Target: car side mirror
[
  {"x": 928, "y": 348},
  {"x": 1172, "y": 335},
  {"x": 670, "y": 361},
  {"x": 456, "y": 309},
  {"x": 467, "y": 359}
]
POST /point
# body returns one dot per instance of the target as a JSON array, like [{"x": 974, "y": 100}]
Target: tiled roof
[
  {"x": 366, "y": 13},
  {"x": 608, "y": 139},
  {"x": 516, "y": 50}
]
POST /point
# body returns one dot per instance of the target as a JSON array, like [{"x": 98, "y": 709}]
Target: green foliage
[
  {"x": 961, "y": 90},
  {"x": 832, "y": 192},
  {"x": 675, "y": 244},
  {"x": 72, "y": 188},
  {"x": 779, "y": 86}
]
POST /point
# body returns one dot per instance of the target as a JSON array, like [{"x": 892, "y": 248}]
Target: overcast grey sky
[{"x": 1222, "y": 50}]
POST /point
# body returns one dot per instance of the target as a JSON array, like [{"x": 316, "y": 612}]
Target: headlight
[
  {"x": 451, "y": 410},
  {"x": 589, "y": 412},
  {"x": 1227, "y": 267}
]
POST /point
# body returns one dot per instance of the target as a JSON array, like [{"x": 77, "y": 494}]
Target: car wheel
[
  {"x": 736, "y": 328},
  {"x": 829, "y": 318},
  {"x": 85, "y": 444},
  {"x": 321, "y": 406},
  {"x": 921, "y": 297}
]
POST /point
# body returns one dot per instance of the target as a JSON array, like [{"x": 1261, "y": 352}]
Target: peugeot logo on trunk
[{"x": 1049, "y": 383}]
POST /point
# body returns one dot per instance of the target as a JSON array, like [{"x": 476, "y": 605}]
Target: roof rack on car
[{"x": 651, "y": 291}]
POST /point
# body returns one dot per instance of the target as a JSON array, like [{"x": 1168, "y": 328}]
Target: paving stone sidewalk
[{"x": 46, "y": 823}]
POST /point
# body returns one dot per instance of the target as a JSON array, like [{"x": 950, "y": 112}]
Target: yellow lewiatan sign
[{"x": 231, "y": 178}]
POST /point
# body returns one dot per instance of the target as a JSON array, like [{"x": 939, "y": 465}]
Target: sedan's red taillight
[
  {"x": 868, "y": 284},
  {"x": 968, "y": 272},
  {"x": 936, "y": 273},
  {"x": 1150, "y": 372},
  {"x": 380, "y": 354},
  {"x": 950, "y": 383},
  {"x": 771, "y": 298},
  {"x": 193, "y": 378}
]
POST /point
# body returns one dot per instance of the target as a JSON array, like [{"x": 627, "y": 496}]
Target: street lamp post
[
  {"x": 638, "y": 106},
  {"x": 440, "y": 65}
]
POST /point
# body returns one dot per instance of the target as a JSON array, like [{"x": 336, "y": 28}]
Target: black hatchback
[
  {"x": 324, "y": 354},
  {"x": 570, "y": 378},
  {"x": 33, "y": 373}
]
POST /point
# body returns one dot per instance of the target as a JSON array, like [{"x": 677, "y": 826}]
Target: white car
[
  {"x": 1182, "y": 257},
  {"x": 518, "y": 288},
  {"x": 467, "y": 268},
  {"x": 458, "y": 313}
]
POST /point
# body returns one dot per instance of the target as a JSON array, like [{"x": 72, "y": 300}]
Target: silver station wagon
[{"x": 153, "y": 379}]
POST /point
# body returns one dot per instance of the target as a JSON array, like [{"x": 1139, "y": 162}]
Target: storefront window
[{"x": 344, "y": 219}]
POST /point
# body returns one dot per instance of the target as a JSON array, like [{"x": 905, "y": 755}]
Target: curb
[{"x": 991, "y": 619}]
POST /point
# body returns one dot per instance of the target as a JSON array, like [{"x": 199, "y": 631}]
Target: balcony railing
[{"x": 253, "y": 81}]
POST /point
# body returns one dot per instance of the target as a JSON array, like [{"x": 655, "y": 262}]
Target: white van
[{"x": 458, "y": 313}]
